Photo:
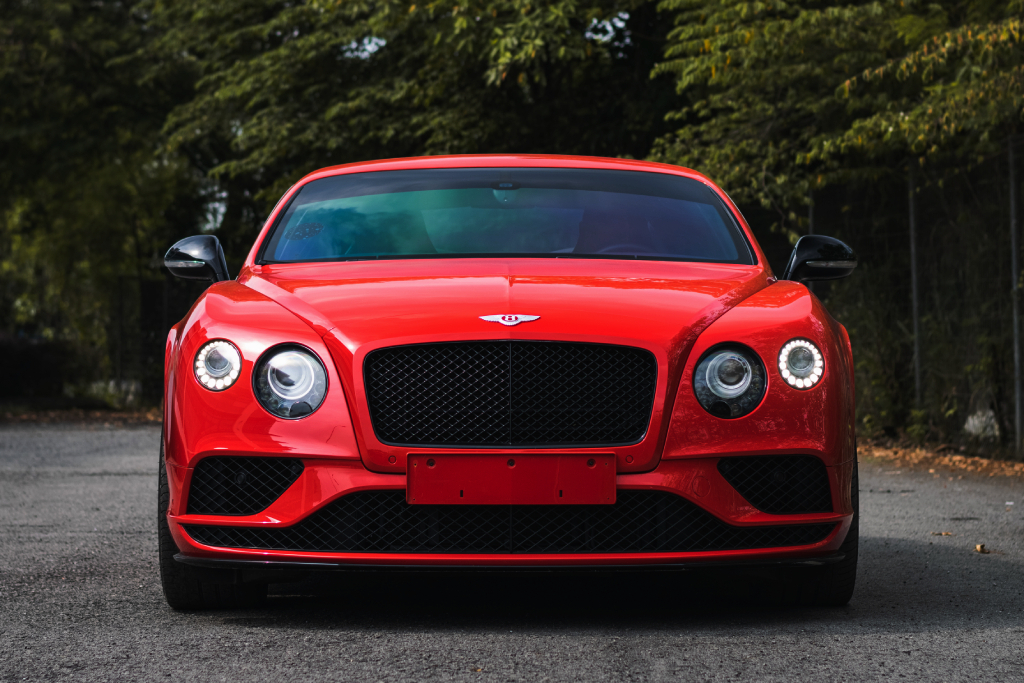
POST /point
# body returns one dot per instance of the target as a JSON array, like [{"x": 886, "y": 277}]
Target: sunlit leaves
[
  {"x": 825, "y": 92},
  {"x": 965, "y": 92}
]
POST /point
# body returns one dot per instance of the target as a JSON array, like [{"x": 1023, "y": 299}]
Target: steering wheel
[{"x": 625, "y": 247}]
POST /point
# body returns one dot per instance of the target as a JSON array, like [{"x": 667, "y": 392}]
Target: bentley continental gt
[{"x": 505, "y": 361}]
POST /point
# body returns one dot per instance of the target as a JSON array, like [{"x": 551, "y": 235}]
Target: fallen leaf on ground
[
  {"x": 935, "y": 460},
  {"x": 942, "y": 533},
  {"x": 980, "y": 548}
]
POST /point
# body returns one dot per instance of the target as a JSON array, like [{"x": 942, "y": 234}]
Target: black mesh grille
[
  {"x": 382, "y": 522},
  {"x": 523, "y": 394},
  {"x": 780, "y": 485},
  {"x": 230, "y": 485}
]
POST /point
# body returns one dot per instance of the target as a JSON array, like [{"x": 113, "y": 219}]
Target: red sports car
[{"x": 505, "y": 361}]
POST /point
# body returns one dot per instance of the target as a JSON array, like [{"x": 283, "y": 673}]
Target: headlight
[
  {"x": 801, "y": 364},
  {"x": 290, "y": 381},
  {"x": 729, "y": 381},
  {"x": 218, "y": 364}
]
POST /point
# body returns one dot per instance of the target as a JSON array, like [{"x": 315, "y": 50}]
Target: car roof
[{"x": 503, "y": 160}]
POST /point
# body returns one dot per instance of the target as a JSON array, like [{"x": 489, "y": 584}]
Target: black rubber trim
[
  {"x": 816, "y": 561},
  {"x": 259, "y": 260}
]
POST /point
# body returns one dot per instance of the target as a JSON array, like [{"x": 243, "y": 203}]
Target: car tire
[
  {"x": 189, "y": 588},
  {"x": 833, "y": 584}
]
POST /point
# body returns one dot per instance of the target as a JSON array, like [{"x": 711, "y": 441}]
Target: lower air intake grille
[
  {"x": 780, "y": 485},
  {"x": 518, "y": 393},
  {"x": 382, "y": 522},
  {"x": 230, "y": 485}
]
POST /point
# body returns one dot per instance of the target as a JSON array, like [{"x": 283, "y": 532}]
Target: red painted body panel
[
  {"x": 818, "y": 421},
  {"x": 342, "y": 311}
]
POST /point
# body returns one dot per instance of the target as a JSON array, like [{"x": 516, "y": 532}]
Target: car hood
[
  {"x": 658, "y": 305},
  {"x": 361, "y": 306}
]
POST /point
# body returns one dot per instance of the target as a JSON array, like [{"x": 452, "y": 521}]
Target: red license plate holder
[{"x": 455, "y": 479}]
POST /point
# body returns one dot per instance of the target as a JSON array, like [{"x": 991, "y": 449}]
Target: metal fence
[{"x": 943, "y": 368}]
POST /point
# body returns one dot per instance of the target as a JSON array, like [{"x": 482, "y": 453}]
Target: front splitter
[{"x": 213, "y": 563}]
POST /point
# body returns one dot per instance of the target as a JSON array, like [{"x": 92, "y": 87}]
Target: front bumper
[{"x": 697, "y": 480}]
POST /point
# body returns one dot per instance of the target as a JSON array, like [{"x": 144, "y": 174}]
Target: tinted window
[{"x": 506, "y": 211}]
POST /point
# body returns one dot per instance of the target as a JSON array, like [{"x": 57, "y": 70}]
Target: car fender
[
  {"x": 815, "y": 421},
  {"x": 200, "y": 422}
]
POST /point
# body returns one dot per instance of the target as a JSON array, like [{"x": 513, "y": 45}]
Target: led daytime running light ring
[
  {"x": 211, "y": 378},
  {"x": 798, "y": 377}
]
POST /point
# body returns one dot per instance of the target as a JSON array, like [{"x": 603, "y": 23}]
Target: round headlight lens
[
  {"x": 728, "y": 374},
  {"x": 290, "y": 381},
  {"x": 801, "y": 364},
  {"x": 218, "y": 365},
  {"x": 729, "y": 381},
  {"x": 290, "y": 375}
]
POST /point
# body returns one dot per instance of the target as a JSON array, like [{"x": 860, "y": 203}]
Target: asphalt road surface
[{"x": 80, "y": 598}]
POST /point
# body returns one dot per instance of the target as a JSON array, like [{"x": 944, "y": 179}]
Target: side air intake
[
  {"x": 239, "y": 485},
  {"x": 780, "y": 485}
]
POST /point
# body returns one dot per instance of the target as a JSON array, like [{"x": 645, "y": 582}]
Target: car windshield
[{"x": 490, "y": 212}]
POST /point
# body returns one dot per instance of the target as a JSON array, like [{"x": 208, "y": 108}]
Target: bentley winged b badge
[{"x": 509, "y": 319}]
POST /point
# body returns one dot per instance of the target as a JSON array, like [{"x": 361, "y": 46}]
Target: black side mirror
[
  {"x": 197, "y": 258},
  {"x": 817, "y": 257}
]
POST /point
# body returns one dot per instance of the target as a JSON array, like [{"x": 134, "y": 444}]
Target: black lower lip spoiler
[{"x": 271, "y": 565}]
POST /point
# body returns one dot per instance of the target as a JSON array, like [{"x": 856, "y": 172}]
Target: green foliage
[
  {"x": 962, "y": 92},
  {"x": 283, "y": 88},
  {"x": 127, "y": 124},
  {"x": 85, "y": 202},
  {"x": 761, "y": 77},
  {"x": 786, "y": 97}
]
